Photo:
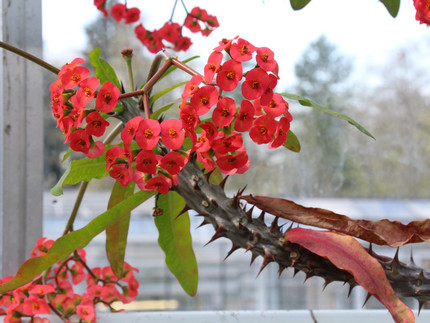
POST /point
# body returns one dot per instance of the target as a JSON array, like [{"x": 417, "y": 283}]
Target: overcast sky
[{"x": 362, "y": 29}]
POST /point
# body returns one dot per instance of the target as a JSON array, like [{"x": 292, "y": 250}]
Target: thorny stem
[
  {"x": 84, "y": 185},
  {"x": 30, "y": 57}
]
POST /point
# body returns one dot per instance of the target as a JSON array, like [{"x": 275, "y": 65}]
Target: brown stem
[{"x": 184, "y": 67}]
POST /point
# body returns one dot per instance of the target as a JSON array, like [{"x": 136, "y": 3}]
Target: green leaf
[
  {"x": 392, "y": 6},
  {"x": 308, "y": 103},
  {"x": 81, "y": 170},
  {"x": 104, "y": 72},
  {"x": 299, "y": 4},
  {"x": 66, "y": 155},
  {"x": 175, "y": 240},
  {"x": 292, "y": 143},
  {"x": 65, "y": 245},
  {"x": 116, "y": 234},
  {"x": 155, "y": 97},
  {"x": 159, "y": 111}
]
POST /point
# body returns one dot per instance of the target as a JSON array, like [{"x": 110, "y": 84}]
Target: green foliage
[
  {"x": 308, "y": 103},
  {"x": 292, "y": 143},
  {"x": 116, "y": 234},
  {"x": 155, "y": 97},
  {"x": 299, "y": 4},
  {"x": 392, "y": 6},
  {"x": 175, "y": 240},
  {"x": 81, "y": 170},
  {"x": 64, "y": 246},
  {"x": 104, "y": 72}
]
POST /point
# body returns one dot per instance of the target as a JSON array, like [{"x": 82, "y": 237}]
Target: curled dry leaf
[
  {"x": 382, "y": 232},
  {"x": 346, "y": 253}
]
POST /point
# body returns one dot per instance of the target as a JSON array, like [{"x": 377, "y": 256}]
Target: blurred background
[{"x": 353, "y": 57}]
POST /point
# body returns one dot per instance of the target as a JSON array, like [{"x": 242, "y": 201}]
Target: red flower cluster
[
  {"x": 68, "y": 107},
  {"x": 168, "y": 36},
  {"x": 423, "y": 11},
  {"x": 263, "y": 113},
  {"x": 56, "y": 290}
]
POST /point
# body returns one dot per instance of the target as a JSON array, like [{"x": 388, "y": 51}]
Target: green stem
[
  {"x": 84, "y": 185},
  {"x": 30, "y": 57}
]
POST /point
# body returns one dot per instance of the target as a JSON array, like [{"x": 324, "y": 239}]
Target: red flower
[
  {"x": 211, "y": 129},
  {"x": 242, "y": 50},
  {"x": 86, "y": 312},
  {"x": 173, "y": 162},
  {"x": 170, "y": 32},
  {"x": 263, "y": 129},
  {"x": 192, "y": 24},
  {"x": 87, "y": 90},
  {"x": 206, "y": 159},
  {"x": 100, "y": 4},
  {"x": 96, "y": 149},
  {"x": 69, "y": 66},
  {"x": 231, "y": 73},
  {"x": 79, "y": 141},
  {"x": 129, "y": 132},
  {"x": 191, "y": 87},
  {"x": 276, "y": 106},
  {"x": 159, "y": 184},
  {"x": 203, "y": 143},
  {"x": 199, "y": 13},
  {"x": 267, "y": 96},
  {"x": 245, "y": 116},
  {"x": 96, "y": 125},
  {"x": 132, "y": 15},
  {"x": 147, "y": 134},
  {"x": 122, "y": 174},
  {"x": 265, "y": 59},
  {"x": 118, "y": 11},
  {"x": 204, "y": 99},
  {"x": 172, "y": 133},
  {"x": 224, "y": 112},
  {"x": 41, "y": 290},
  {"x": 74, "y": 77},
  {"x": 212, "y": 66},
  {"x": 226, "y": 144},
  {"x": 224, "y": 44},
  {"x": 423, "y": 11},
  {"x": 183, "y": 43},
  {"x": 255, "y": 84},
  {"x": 228, "y": 163},
  {"x": 146, "y": 162},
  {"x": 34, "y": 305},
  {"x": 112, "y": 154},
  {"x": 107, "y": 98},
  {"x": 281, "y": 133},
  {"x": 188, "y": 117}
]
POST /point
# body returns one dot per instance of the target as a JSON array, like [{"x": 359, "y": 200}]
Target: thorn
[
  {"x": 351, "y": 287},
  {"x": 214, "y": 203},
  {"x": 204, "y": 222},
  {"x": 421, "y": 275},
  {"x": 326, "y": 282},
  {"x": 233, "y": 249},
  {"x": 250, "y": 247},
  {"x": 274, "y": 227},
  {"x": 240, "y": 192},
  {"x": 420, "y": 306},
  {"x": 295, "y": 272},
  {"x": 370, "y": 249},
  {"x": 185, "y": 209},
  {"x": 307, "y": 277},
  {"x": 208, "y": 174},
  {"x": 266, "y": 260},
  {"x": 396, "y": 257},
  {"x": 202, "y": 214},
  {"x": 280, "y": 270},
  {"x": 249, "y": 213},
  {"x": 235, "y": 201},
  {"x": 289, "y": 228},
  {"x": 412, "y": 258},
  {"x": 222, "y": 184},
  {"x": 217, "y": 235},
  {"x": 261, "y": 217},
  {"x": 253, "y": 258},
  {"x": 367, "y": 298}
]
